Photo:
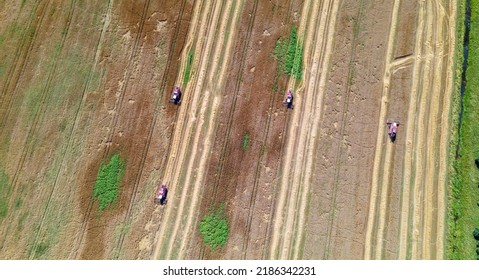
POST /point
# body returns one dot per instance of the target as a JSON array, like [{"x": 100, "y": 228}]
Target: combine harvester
[
  {"x": 161, "y": 194},
  {"x": 289, "y": 100},
  {"x": 392, "y": 128},
  {"x": 176, "y": 97}
]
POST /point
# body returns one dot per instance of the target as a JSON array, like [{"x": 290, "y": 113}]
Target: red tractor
[
  {"x": 289, "y": 100},
  {"x": 392, "y": 128},
  {"x": 161, "y": 194},
  {"x": 176, "y": 97}
]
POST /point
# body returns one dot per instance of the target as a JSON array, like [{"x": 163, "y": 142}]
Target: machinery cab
[
  {"x": 392, "y": 129},
  {"x": 176, "y": 96},
  {"x": 161, "y": 194},
  {"x": 289, "y": 100}
]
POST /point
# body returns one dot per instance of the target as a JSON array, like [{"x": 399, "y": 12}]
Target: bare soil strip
[{"x": 148, "y": 148}]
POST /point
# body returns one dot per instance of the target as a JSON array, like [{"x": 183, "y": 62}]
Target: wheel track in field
[
  {"x": 421, "y": 231},
  {"x": 112, "y": 126},
  {"x": 158, "y": 102},
  {"x": 204, "y": 114},
  {"x": 288, "y": 226},
  {"x": 157, "y": 216},
  {"x": 75, "y": 123},
  {"x": 39, "y": 110},
  {"x": 227, "y": 52},
  {"x": 357, "y": 26},
  {"x": 222, "y": 159},
  {"x": 260, "y": 160},
  {"x": 16, "y": 59},
  {"x": 195, "y": 35}
]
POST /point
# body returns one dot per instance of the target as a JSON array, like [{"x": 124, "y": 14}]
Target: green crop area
[
  {"x": 463, "y": 216},
  {"x": 189, "y": 64},
  {"x": 108, "y": 181},
  {"x": 289, "y": 55},
  {"x": 245, "y": 141},
  {"x": 4, "y": 187},
  {"x": 214, "y": 228}
]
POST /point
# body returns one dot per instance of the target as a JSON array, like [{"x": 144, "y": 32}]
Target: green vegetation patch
[
  {"x": 189, "y": 64},
  {"x": 108, "y": 181},
  {"x": 289, "y": 55},
  {"x": 245, "y": 141},
  {"x": 214, "y": 228},
  {"x": 464, "y": 197},
  {"x": 4, "y": 188}
]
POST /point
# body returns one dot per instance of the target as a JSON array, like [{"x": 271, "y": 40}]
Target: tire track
[
  {"x": 18, "y": 55},
  {"x": 260, "y": 163},
  {"x": 242, "y": 61},
  {"x": 288, "y": 233},
  {"x": 211, "y": 128},
  {"x": 112, "y": 126},
  {"x": 75, "y": 123},
  {"x": 357, "y": 26},
  {"x": 382, "y": 172},
  {"x": 158, "y": 213},
  {"x": 423, "y": 185},
  {"x": 174, "y": 170},
  {"x": 27, "y": 146},
  {"x": 146, "y": 149}
]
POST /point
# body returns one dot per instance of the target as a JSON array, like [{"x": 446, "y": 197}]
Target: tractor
[
  {"x": 289, "y": 100},
  {"x": 161, "y": 194},
  {"x": 176, "y": 97},
  {"x": 392, "y": 128}
]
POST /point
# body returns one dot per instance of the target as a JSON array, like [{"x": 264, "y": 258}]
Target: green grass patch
[
  {"x": 289, "y": 55},
  {"x": 245, "y": 141},
  {"x": 189, "y": 64},
  {"x": 214, "y": 228},
  {"x": 108, "y": 181},
  {"x": 40, "y": 250},
  {"x": 4, "y": 189},
  {"x": 463, "y": 209}
]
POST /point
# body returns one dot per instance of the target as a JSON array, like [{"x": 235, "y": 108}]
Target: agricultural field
[{"x": 87, "y": 132}]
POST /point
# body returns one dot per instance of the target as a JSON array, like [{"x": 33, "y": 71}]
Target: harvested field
[{"x": 81, "y": 81}]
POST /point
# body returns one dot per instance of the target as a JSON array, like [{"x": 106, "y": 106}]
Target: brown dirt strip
[
  {"x": 146, "y": 150},
  {"x": 259, "y": 173}
]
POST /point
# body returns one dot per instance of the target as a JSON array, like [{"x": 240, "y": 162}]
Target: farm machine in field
[
  {"x": 392, "y": 128},
  {"x": 176, "y": 97},
  {"x": 289, "y": 100},
  {"x": 161, "y": 194}
]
